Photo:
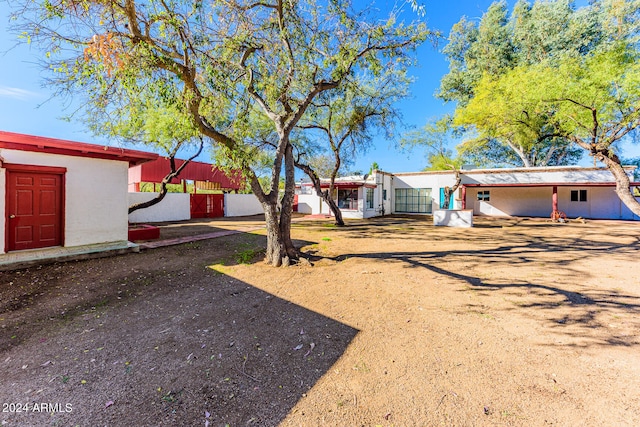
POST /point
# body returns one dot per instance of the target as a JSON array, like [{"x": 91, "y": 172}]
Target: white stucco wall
[
  {"x": 387, "y": 184},
  {"x": 95, "y": 195},
  {"x": 3, "y": 213},
  {"x": 627, "y": 214},
  {"x": 434, "y": 181},
  {"x": 241, "y": 205},
  {"x": 310, "y": 204},
  {"x": 516, "y": 201},
  {"x": 174, "y": 207},
  {"x": 602, "y": 203}
]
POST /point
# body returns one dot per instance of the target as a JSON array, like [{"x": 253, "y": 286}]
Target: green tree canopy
[{"x": 543, "y": 31}]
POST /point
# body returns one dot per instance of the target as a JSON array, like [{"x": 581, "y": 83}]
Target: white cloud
[{"x": 16, "y": 93}]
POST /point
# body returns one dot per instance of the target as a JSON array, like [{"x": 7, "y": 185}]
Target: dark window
[
  {"x": 578, "y": 195},
  {"x": 485, "y": 195},
  {"x": 348, "y": 198},
  {"x": 384, "y": 194}
]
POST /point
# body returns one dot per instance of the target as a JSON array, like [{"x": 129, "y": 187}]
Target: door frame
[{"x": 51, "y": 170}]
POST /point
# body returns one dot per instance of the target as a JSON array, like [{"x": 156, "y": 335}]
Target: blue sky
[{"x": 28, "y": 107}]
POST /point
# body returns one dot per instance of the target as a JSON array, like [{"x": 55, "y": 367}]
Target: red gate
[{"x": 207, "y": 205}]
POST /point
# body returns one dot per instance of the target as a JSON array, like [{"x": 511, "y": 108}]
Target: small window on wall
[
  {"x": 578, "y": 195},
  {"x": 484, "y": 196},
  {"x": 369, "y": 198},
  {"x": 384, "y": 194}
]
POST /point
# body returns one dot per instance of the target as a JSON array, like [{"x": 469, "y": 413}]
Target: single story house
[
  {"x": 60, "y": 197},
  {"x": 586, "y": 192}
]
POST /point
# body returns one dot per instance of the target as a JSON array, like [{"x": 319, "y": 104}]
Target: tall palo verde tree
[{"x": 227, "y": 62}]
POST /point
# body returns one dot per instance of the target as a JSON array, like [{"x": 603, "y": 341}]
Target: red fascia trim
[
  {"x": 550, "y": 184},
  {"x": 343, "y": 185},
  {"x": 22, "y": 142},
  {"x": 14, "y": 167}
]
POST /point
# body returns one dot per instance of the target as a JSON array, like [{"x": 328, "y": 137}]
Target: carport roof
[{"x": 23, "y": 142}]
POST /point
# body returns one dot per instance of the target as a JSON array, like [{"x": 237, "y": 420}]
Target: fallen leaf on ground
[{"x": 312, "y": 345}]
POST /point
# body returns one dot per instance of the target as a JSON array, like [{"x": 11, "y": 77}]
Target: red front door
[{"x": 34, "y": 210}]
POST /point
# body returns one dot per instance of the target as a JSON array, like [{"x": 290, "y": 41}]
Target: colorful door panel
[
  {"x": 207, "y": 205},
  {"x": 34, "y": 209}
]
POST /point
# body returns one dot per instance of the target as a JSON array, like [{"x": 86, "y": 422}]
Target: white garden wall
[
  {"x": 174, "y": 207},
  {"x": 242, "y": 205}
]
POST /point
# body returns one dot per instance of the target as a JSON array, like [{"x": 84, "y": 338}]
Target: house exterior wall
[
  {"x": 602, "y": 203},
  {"x": 627, "y": 214},
  {"x": 387, "y": 185},
  {"x": 95, "y": 196},
  {"x": 3, "y": 208},
  {"x": 515, "y": 201},
  {"x": 354, "y": 213},
  {"x": 174, "y": 207},
  {"x": 432, "y": 181},
  {"x": 513, "y": 192}
]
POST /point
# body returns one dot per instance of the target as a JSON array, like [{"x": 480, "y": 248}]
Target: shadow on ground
[
  {"x": 159, "y": 338},
  {"x": 550, "y": 287}
]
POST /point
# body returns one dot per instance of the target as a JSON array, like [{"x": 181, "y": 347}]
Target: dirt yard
[{"x": 397, "y": 323}]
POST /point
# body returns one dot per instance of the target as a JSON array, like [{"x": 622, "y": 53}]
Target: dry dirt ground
[{"x": 397, "y": 323}]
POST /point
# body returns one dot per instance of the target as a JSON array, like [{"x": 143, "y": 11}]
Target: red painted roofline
[
  {"x": 551, "y": 184},
  {"x": 23, "y": 142},
  {"x": 347, "y": 185}
]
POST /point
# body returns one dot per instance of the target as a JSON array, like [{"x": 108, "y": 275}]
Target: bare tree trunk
[
  {"x": 324, "y": 195},
  {"x": 275, "y": 251},
  {"x": 287, "y": 203},
  {"x": 448, "y": 191},
  {"x": 623, "y": 185},
  {"x": 337, "y": 213}
]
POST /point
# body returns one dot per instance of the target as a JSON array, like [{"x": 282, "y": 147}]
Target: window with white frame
[
  {"x": 369, "y": 198},
  {"x": 484, "y": 195},
  {"x": 578, "y": 195},
  {"x": 347, "y": 198},
  {"x": 413, "y": 200}
]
